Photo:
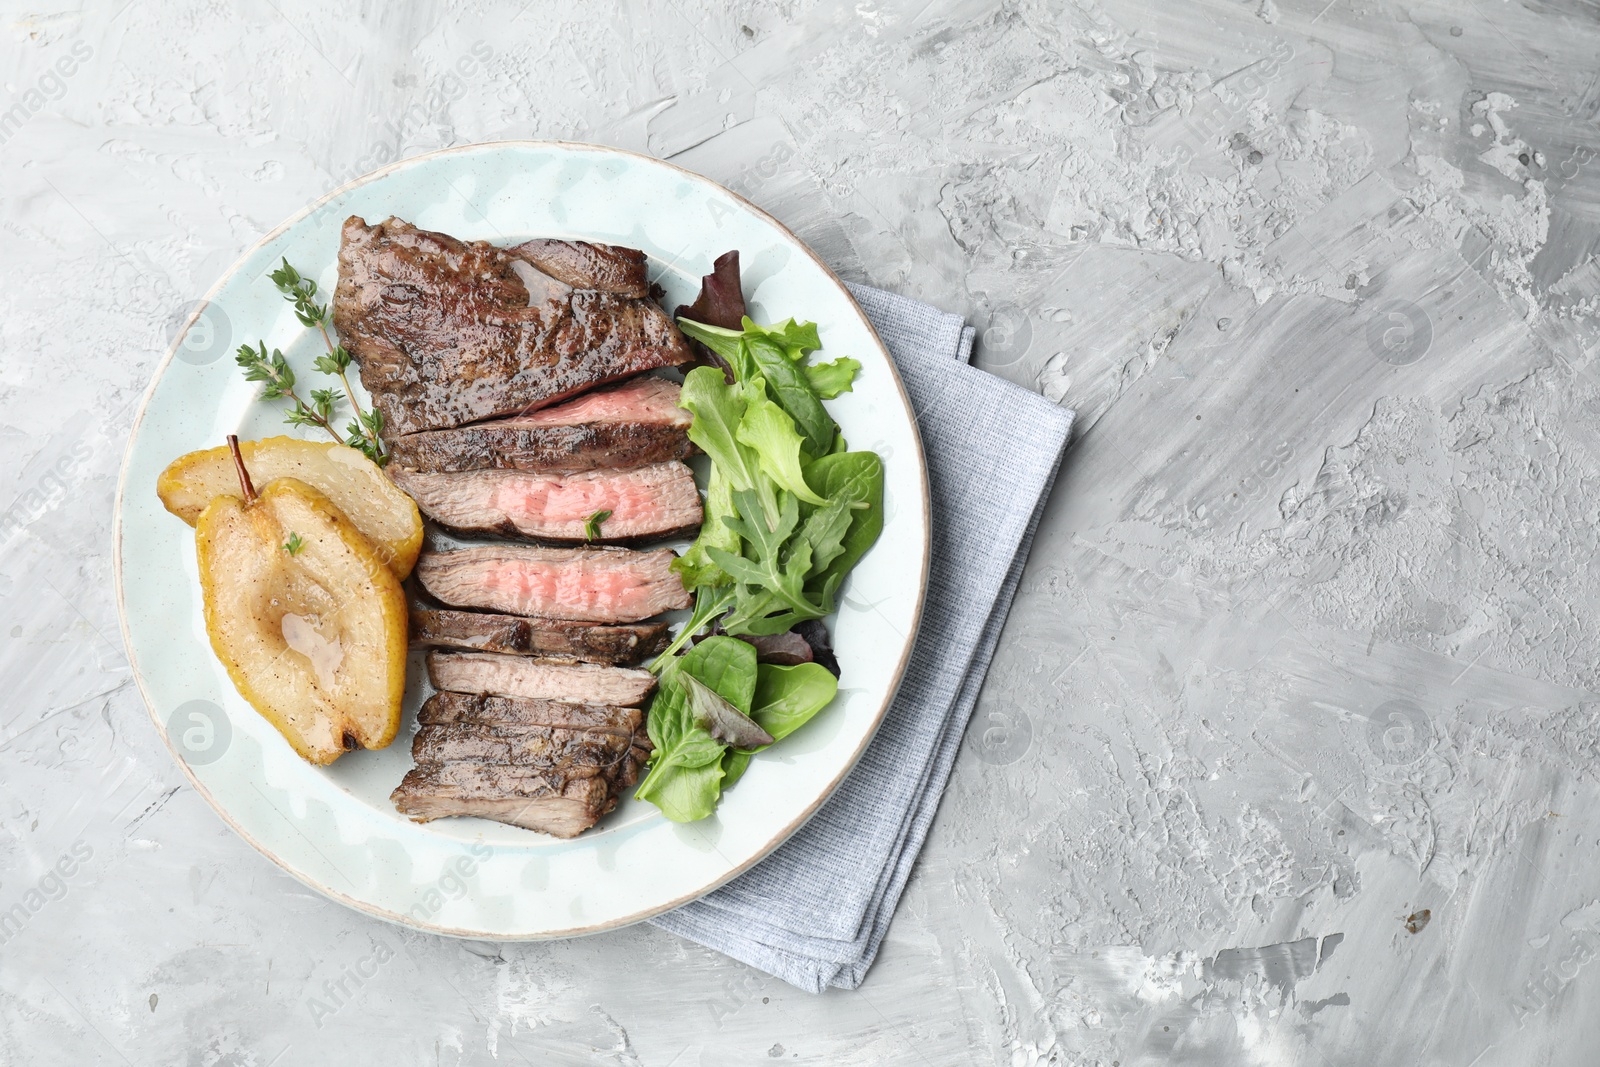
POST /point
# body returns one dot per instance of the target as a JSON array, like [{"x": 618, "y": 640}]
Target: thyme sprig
[
  {"x": 365, "y": 430},
  {"x": 278, "y": 377}
]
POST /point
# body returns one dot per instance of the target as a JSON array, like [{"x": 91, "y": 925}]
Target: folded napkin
[{"x": 815, "y": 911}]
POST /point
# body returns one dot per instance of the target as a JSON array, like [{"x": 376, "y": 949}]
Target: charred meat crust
[
  {"x": 505, "y": 445},
  {"x": 491, "y": 710},
  {"x": 448, "y": 332},
  {"x": 634, "y": 423},
  {"x": 487, "y": 757},
  {"x": 588, "y": 265},
  {"x": 574, "y": 753},
  {"x": 478, "y": 631},
  {"x": 529, "y": 797}
]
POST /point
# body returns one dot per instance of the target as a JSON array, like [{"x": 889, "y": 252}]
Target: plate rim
[{"x": 779, "y": 836}]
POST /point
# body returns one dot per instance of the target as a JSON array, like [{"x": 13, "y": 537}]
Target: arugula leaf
[
  {"x": 779, "y": 573},
  {"x": 769, "y": 430},
  {"x": 695, "y": 566},
  {"x": 858, "y": 477},
  {"x": 709, "y": 602},
  {"x": 828, "y": 380}
]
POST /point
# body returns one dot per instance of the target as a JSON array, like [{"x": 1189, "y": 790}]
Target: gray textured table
[{"x": 1289, "y": 753}]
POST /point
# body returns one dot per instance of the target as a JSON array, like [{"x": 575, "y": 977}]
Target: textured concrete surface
[{"x": 1289, "y": 755}]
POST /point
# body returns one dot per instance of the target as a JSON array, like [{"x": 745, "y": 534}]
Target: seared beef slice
[
  {"x": 542, "y": 679},
  {"x": 581, "y": 584},
  {"x": 478, "y": 631},
  {"x": 627, "y": 425},
  {"x": 641, "y": 504},
  {"x": 448, "y": 332}
]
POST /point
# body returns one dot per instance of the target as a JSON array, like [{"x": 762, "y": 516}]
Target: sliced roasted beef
[
  {"x": 626, "y": 506},
  {"x": 542, "y": 679},
  {"x": 490, "y": 710},
  {"x": 448, "y": 332},
  {"x": 529, "y": 797},
  {"x": 627, "y": 425},
  {"x": 573, "y": 753},
  {"x": 586, "y": 265},
  {"x": 478, "y": 631},
  {"x": 582, "y": 584}
]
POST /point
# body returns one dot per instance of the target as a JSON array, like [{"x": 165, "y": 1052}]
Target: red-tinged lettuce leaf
[{"x": 720, "y": 303}]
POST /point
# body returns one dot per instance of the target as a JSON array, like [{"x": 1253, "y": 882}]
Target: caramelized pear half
[
  {"x": 306, "y": 615},
  {"x": 352, "y": 481}
]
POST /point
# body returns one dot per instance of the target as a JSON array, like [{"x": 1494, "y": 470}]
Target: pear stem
[{"x": 238, "y": 465}]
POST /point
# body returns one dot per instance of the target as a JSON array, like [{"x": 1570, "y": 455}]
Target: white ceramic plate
[{"x": 334, "y": 828}]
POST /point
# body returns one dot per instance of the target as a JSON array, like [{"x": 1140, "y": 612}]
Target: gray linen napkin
[{"x": 815, "y": 911}]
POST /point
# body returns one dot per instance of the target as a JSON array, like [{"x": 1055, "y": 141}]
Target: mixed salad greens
[{"x": 789, "y": 510}]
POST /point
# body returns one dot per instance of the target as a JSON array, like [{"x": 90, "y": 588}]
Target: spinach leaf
[
  {"x": 684, "y": 794},
  {"x": 727, "y": 665},
  {"x": 685, "y": 775},
  {"x": 787, "y": 697},
  {"x": 686, "y": 772},
  {"x": 734, "y": 764},
  {"x": 828, "y": 380},
  {"x": 787, "y": 382}
]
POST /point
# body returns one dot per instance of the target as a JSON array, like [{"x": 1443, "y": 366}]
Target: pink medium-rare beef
[
  {"x": 477, "y": 631},
  {"x": 587, "y": 265},
  {"x": 610, "y": 585},
  {"x": 627, "y": 425},
  {"x": 572, "y": 681},
  {"x": 628, "y": 506},
  {"x": 448, "y": 332}
]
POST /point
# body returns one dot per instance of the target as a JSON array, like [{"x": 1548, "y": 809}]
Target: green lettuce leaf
[
  {"x": 857, "y": 477},
  {"x": 769, "y": 431},
  {"x": 828, "y": 380},
  {"x": 796, "y": 338}
]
